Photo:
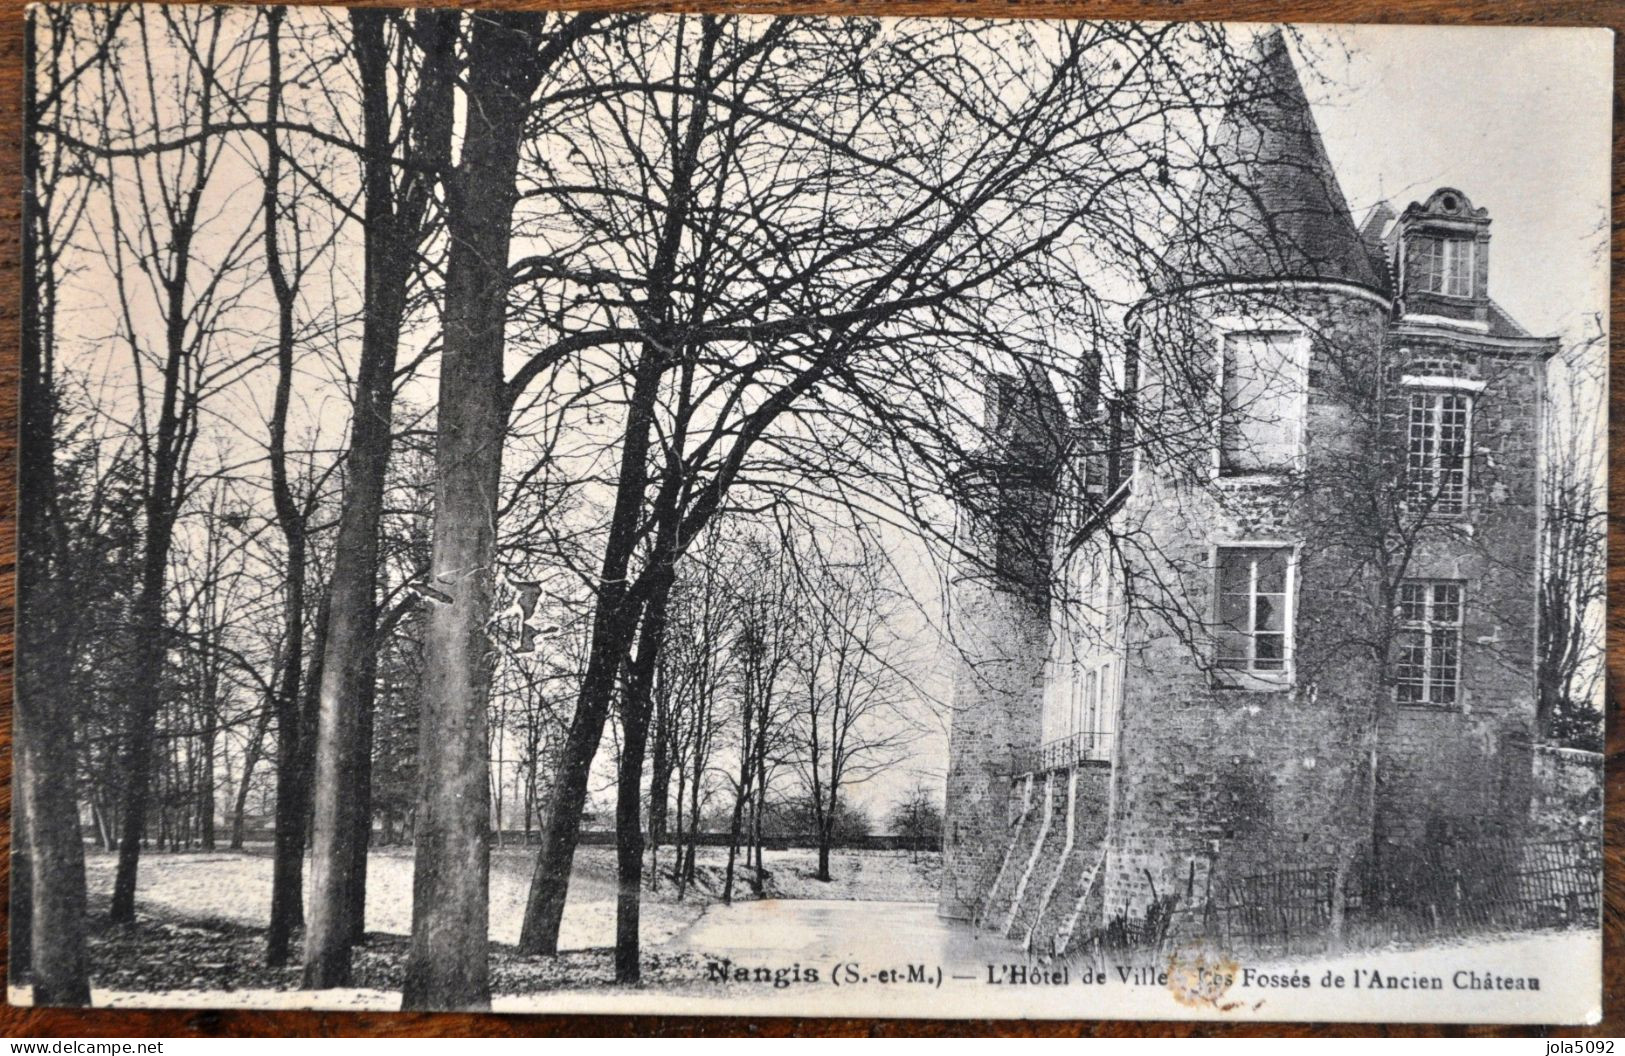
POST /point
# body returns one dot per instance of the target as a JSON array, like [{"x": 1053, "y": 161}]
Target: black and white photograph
[{"x": 707, "y": 514}]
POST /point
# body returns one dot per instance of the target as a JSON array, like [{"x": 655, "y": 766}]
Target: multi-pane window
[
  {"x": 1261, "y": 418},
  {"x": 1254, "y": 587},
  {"x": 1447, "y": 266},
  {"x": 1429, "y": 670},
  {"x": 1437, "y": 450}
]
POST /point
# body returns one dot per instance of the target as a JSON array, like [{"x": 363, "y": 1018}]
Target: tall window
[
  {"x": 1091, "y": 691},
  {"x": 1108, "y": 700},
  {"x": 1260, "y": 421},
  {"x": 1430, "y": 642},
  {"x": 1447, "y": 266},
  {"x": 1074, "y": 704},
  {"x": 1254, "y": 590},
  {"x": 1437, "y": 451}
]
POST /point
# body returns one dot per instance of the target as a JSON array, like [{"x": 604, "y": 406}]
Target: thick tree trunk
[
  {"x": 635, "y": 711},
  {"x": 629, "y": 851},
  {"x": 826, "y": 835},
  {"x": 550, "y": 882},
  {"x": 448, "y": 967},
  {"x": 292, "y": 788},
  {"x": 50, "y": 899},
  {"x": 615, "y": 623},
  {"x": 342, "y": 812},
  {"x": 56, "y": 854},
  {"x": 361, "y": 841}
]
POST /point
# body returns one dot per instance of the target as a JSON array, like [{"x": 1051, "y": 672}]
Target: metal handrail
[{"x": 1085, "y": 746}]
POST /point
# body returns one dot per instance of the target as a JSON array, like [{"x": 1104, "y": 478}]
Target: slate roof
[
  {"x": 1503, "y": 325},
  {"x": 1269, "y": 206}
]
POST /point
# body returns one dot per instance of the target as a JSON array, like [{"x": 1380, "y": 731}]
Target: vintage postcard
[{"x": 619, "y": 512}]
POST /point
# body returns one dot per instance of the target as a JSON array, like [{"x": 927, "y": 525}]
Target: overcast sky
[{"x": 1516, "y": 119}]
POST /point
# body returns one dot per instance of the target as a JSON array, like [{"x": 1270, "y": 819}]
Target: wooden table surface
[{"x": 105, "y": 1022}]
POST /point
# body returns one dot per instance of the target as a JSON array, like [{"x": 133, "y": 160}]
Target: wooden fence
[{"x": 1440, "y": 890}]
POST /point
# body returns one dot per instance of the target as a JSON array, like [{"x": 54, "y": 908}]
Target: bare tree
[
  {"x": 293, "y": 734},
  {"x": 918, "y": 818},
  {"x": 508, "y": 55},
  {"x": 154, "y": 236},
  {"x": 760, "y": 347},
  {"x": 848, "y": 727},
  {"x": 397, "y": 215},
  {"x": 767, "y": 609},
  {"x": 48, "y": 903},
  {"x": 1573, "y": 550}
]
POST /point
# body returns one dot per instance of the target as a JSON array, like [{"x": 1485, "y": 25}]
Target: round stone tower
[
  {"x": 1246, "y": 729},
  {"x": 999, "y": 623}
]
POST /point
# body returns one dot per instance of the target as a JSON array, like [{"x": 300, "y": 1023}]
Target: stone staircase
[
  {"x": 1077, "y": 916},
  {"x": 1073, "y": 869},
  {"x": 1052, "y": 851}
]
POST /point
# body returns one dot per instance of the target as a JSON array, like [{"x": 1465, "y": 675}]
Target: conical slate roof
[{"x": 1269, "y": 206}]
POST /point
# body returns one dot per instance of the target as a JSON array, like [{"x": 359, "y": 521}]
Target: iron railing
[{"x": 1088, "y": 746}]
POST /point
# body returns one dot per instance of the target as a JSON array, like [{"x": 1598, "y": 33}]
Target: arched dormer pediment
[
  {"x": 1447, "y": 203},
  {"x": 1442, "y": 257}
]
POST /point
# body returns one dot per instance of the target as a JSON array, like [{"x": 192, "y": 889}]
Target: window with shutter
[{"x": 1254, "y": 590}]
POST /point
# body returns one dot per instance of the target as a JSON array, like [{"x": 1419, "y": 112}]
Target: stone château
[{"x": 1268, "y": 600}]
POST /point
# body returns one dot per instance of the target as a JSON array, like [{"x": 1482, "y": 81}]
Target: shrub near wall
[{"x": 1566, "y": 798}]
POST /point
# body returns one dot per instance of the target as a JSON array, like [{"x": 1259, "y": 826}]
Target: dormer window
[
  {"x": 1447, "y": 266},
  {"x": 1444, "y": 256}
]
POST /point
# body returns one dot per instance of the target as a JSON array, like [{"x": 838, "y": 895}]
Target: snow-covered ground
[
  {"x": 199, "y": 941},
  {"x": 873, "y": 927},
  {"x": 235, "y": 887}
]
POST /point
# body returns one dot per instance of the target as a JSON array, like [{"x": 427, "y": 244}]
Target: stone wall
[
  {"x": 1072, "y": 874},
  {"x": 1223, "y": 777},
  {"x": 1000, "y": 641},
  {"x": 999, "y": 622},
  {"x": 1566, "y": 797},
  {"x": 1462, "y": 771},
  {"x": 1220, "y": 776}
]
